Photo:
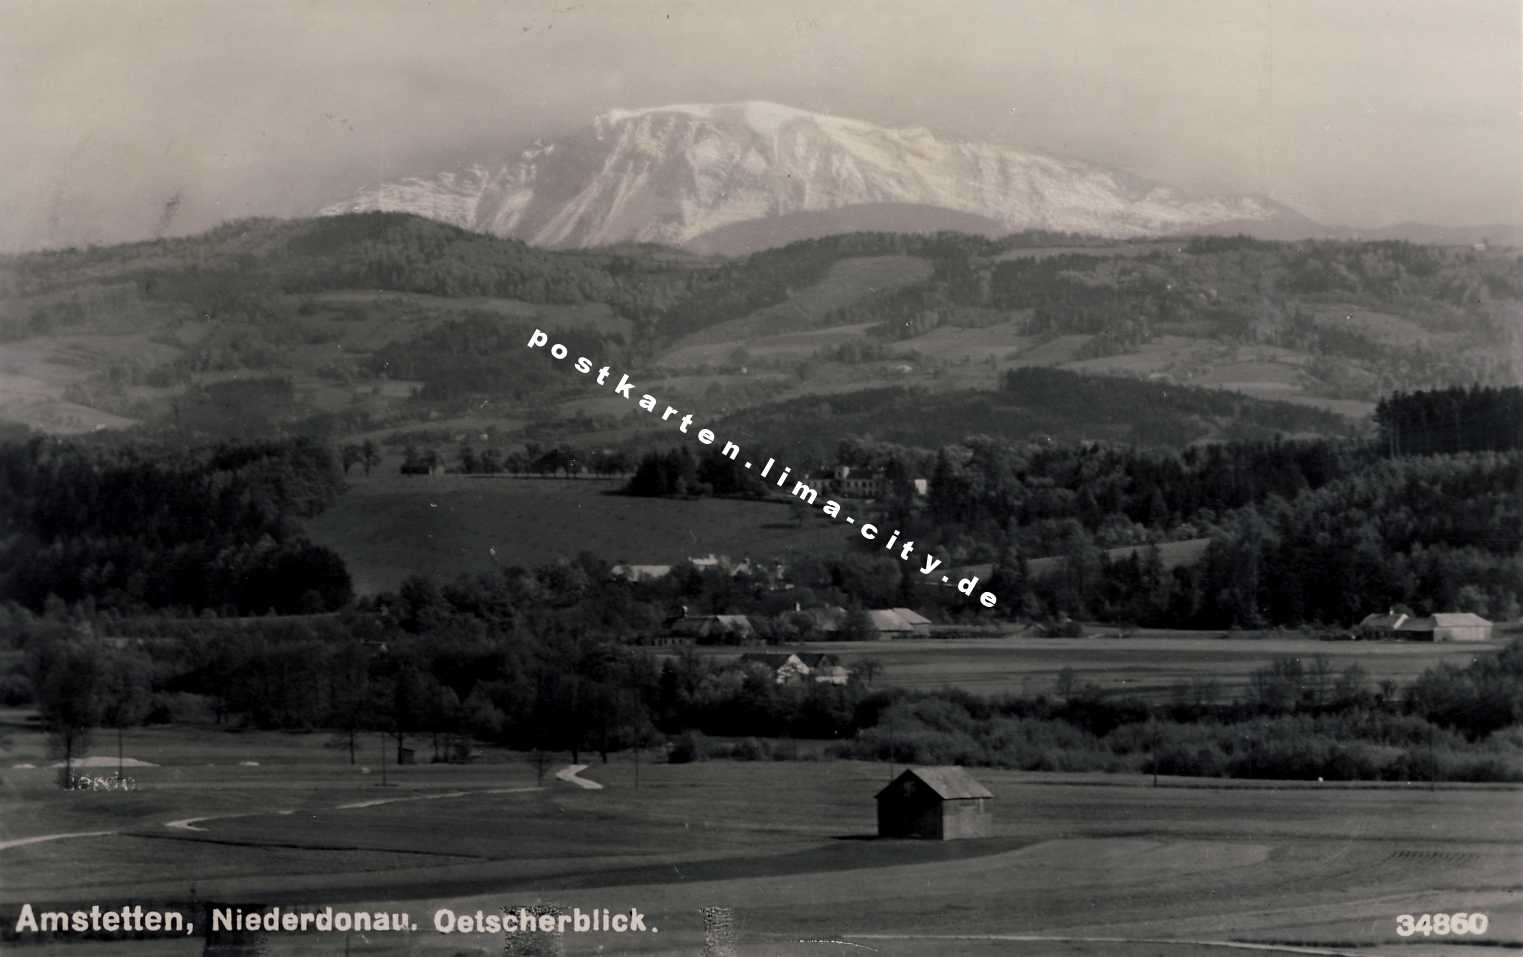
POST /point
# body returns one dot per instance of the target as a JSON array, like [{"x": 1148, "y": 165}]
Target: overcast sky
[{"x": 120, "y": 119}]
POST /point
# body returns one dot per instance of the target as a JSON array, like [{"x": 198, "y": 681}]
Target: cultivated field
[
  {"x": 1148, "y": 664},
  {"x": 1077, "y": 864},
  {"x": 389, "y": 526}
]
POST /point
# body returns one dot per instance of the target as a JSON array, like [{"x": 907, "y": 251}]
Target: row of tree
[
  {"x": 533, "y": 459},
  {"x": 456, "y": 676}
]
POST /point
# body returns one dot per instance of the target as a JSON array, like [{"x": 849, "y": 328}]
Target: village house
[
  {"x": 938, "y": 803},
  {"x": 710, "y": 629},
  {"x": 849, "y": 481},
  {"x": 789, "y": 667},
  {"x": 639, "y": 573}
]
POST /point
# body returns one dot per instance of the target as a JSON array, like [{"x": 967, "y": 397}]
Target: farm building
[
  {"x": 1444, "y": 626},
  {"x": 1460, "y": 626},
  {"x": 1378, "y": 627},
  {"x": 941, "y": 804},
  {"x": 892, "y": 622}
]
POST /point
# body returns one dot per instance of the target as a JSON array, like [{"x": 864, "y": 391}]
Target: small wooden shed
[{"x": 940, "y": 804}]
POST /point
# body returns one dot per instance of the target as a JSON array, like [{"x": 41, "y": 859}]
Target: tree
[
  {"x": 350, "y": 691},
  {"x": 469, "y": 463},
  {"x": 857, "y": 626},
  {"x": 370, "y": 456},
  {"x": 867, "y": 671},
  {"x": 68, "y": 679},
  {"x": 405, "y": 703},
  {"x": 124, "y": 694}
]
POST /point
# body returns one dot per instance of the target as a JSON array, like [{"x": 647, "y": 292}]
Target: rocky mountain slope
[{"x": 675, "y": 174}]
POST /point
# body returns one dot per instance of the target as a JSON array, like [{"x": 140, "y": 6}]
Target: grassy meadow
[
  {"x": 1077, "y": 864},
  {"x": 389, "y": 526},
  {"x": 1148, "y": 664}
]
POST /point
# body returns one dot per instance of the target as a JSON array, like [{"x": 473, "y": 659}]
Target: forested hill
[{"x": 378, "y": 322}]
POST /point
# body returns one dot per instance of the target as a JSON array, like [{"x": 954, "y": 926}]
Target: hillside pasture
[
  {"x": 1263, "y": 372},
  {"x": 1381, "y": 327},
  {"x": 844, "y": 282},
  {"x": 36, "y": 373},
  {"x": 359, "y": 310},
  {"x": 388, "y": 526},
  {"x": 952, "y": 343},
  {"x": 799, "y": 344},
  {"x": 1051, "y": 351},
  {"x": 1170, "y": 355}
]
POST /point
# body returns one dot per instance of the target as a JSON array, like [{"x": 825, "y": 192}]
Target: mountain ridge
[{"x": 670, "y": 174}]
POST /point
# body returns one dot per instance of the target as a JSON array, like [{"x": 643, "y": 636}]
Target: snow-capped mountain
[{"x": 671, "y": 174}]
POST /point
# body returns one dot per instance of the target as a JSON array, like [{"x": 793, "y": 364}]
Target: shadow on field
[{"x": 846, "y": 852}]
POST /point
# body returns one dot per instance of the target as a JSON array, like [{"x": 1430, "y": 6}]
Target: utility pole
[
  {"x": 383, "y": 758},
  {"x": 1432, "y": 761},
  {"x": 1155, "y": 752}
]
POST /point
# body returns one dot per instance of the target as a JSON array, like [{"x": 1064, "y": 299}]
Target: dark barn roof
[{"x": 949, "y": 783}]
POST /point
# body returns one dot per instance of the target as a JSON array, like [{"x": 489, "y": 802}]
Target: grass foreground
[{"x": 1076, "y": 864}]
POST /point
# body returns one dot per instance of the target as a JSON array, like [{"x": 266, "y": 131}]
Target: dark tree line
[
  {"x": 1473, "y": 419},
  {"x": 1294, "y": 720},
  {"x": 678, "y": 472},
  {"x": 135, "y": 528}
]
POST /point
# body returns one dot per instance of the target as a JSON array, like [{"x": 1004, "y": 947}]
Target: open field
[
  {"x": 389, "y": 526},
  {"x": 843, "y": 283},
  {"x": 1077, "y": 864},
  {"x": 1149, "y": 664}
]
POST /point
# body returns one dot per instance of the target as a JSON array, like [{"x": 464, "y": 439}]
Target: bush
[
  {"x": 687, "y": 747},
  {"x": 751, "y": 749},
  {"x": 16, "y": 691},
  {"x": 178, "y": 707}
]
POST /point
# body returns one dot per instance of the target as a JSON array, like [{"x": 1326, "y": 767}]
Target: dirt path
[
  {"x": 377, "y": 802},
  {"x": 41, "y": 838},
  {"x": 571, "y": 774},
  {"x": 189, "y": 823}
]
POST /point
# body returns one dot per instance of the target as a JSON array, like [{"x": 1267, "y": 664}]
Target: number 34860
[{"x": 1441, "y": 925}]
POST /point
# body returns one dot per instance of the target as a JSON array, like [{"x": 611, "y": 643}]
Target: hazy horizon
[{"x": 165, "y": 117}]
